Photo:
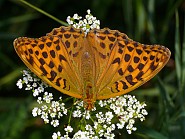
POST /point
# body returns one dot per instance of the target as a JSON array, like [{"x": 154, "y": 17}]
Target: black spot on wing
[
  {"x": 140, "y": 74},
  {"x": 53, "y": 75},
  {"x": 45, "y": 54},
  {"x": 37, "y": 52},
  {"x": 116, "y": 60},
  {"x": 102, "y": 55},
  {"x": 101, "y": 37},
  {"x": 102, "y": 45},
  {"x": 129, "y": 79},
  {"x": 57, "y": 47},
  {"x": 67, "y": 36},
  {"x": 120, "y": 72},
  {"x": 130, "y": 49},
  {"x": 60, "y": 68},
  {"x": 43, "y": 70},
  {"x": 152, "y": 66},
  {"x": 41, "y": 60},
  {"x": 112, "y": 39},
  {"x": 52, "y": 53},
  {"x": 140, "y": 66},
  {"x": 136, "y": 59},
  {"x": 30, "y": 51},
  {"x": 51, "y": 64},
  {"x": 152, "y": 57},
  {"x": 67, "y": 43},
  {"x": 30, "y": 60},
  {"x": 58, "y": 81},
  {"x": 130, "y": 68},
  {"x": 41, "y": 46},
  {"x": 127, "y": 57},
  {"x": 139, "y": 51},
  {"x": 61, "y": 57},
  {"x": 48, "y": 44},
  {"x": 124, "y": 85}
]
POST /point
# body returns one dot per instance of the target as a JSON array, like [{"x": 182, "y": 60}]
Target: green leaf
[
  {"x": 178, "y": 56},
  {"x": 148, "y": 132}
]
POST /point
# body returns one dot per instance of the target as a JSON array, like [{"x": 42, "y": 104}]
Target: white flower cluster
[
  {"x": 125, "y": 109},
  {"x": 48, "y": 108},
  {"x": 90, "y": 22},
  {"x": 98, "y": 124},
  {"x": 32, "y": 82}
]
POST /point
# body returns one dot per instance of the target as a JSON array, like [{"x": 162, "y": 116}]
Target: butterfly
[{"x": 98, "y": 65}]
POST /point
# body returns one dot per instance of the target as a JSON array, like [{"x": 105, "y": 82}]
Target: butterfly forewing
[
  {"x": 73, "y": 39},
  {"x": 48, "y": 58},
  {"x": 136, "y": 65}
]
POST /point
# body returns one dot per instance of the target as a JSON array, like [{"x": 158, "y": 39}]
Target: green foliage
[{"x": 146, "y": 21}]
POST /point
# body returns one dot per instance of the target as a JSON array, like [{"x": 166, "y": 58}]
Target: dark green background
[{"x": 146, "y": 21}]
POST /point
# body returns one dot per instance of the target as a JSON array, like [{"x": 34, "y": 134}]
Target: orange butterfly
[{"x": 102, "y": 64}]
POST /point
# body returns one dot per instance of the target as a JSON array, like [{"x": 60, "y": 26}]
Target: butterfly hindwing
[{"x": 102, "y": 42}]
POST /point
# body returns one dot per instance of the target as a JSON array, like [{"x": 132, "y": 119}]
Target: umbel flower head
[
  {"x": 101, "y": 122},
  {"x": 90, "y": 22}
]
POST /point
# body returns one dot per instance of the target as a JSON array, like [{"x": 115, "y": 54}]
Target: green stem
[
  {"x": 45, "y": 13},
  {"x": 70, "y": 115}
]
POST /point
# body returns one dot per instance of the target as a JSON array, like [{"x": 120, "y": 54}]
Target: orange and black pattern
[{"x": 102, "y": 64}]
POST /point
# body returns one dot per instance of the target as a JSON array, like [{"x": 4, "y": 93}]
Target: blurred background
[{"x": 145, "y": 21}]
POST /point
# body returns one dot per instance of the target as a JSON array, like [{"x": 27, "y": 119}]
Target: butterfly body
[
  {"x": 87, "y": 72},
  {"x": 101, "y": 64}
]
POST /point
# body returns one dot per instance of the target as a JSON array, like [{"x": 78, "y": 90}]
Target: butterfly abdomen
[{"x": 87, "y": 70}]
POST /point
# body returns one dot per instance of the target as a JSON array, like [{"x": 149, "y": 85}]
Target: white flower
[
  {"x": 25, "y": 79},
  {"x": 55, "y": 123},
  {"x": 35, "y": 92},
  {"x": 88, "y": 127},
  {"x": 81, "y": 135},
  {"x": 19, "y": 83},
  {"x": 144, "y": 112},
  {"x": 88, "y": 11},
  {"x": 52, "y": 115},
  {"x": 120, "y": 125},
  {"x": 68, "y": 129},
  {"x": 77, "y": 113},
  {"x": 39, "y": 100},
  {"x": 101, "y": 103},
  {"x": 28, "y": 87},
  {"x": 30, "y": 79},
  {"x": 48, "y": 97},
  {"x": 44, "y": 116},
  {"x": 90, "y": 22},
  {"x": 86, "y": 114},
  {"x": 108, "y": 116},
  {"x": 56, "y": 135},
  {"x": 34, "y": 112},
  {"x": 40, "y": 89}
]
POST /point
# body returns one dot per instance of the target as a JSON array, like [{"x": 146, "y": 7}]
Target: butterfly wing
[
  {"x": 53, "y": 58},
  {"x": 121, "y": 65},
  {"x": 102, "y": 42},
  {"x": 127, "y": 64}
]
